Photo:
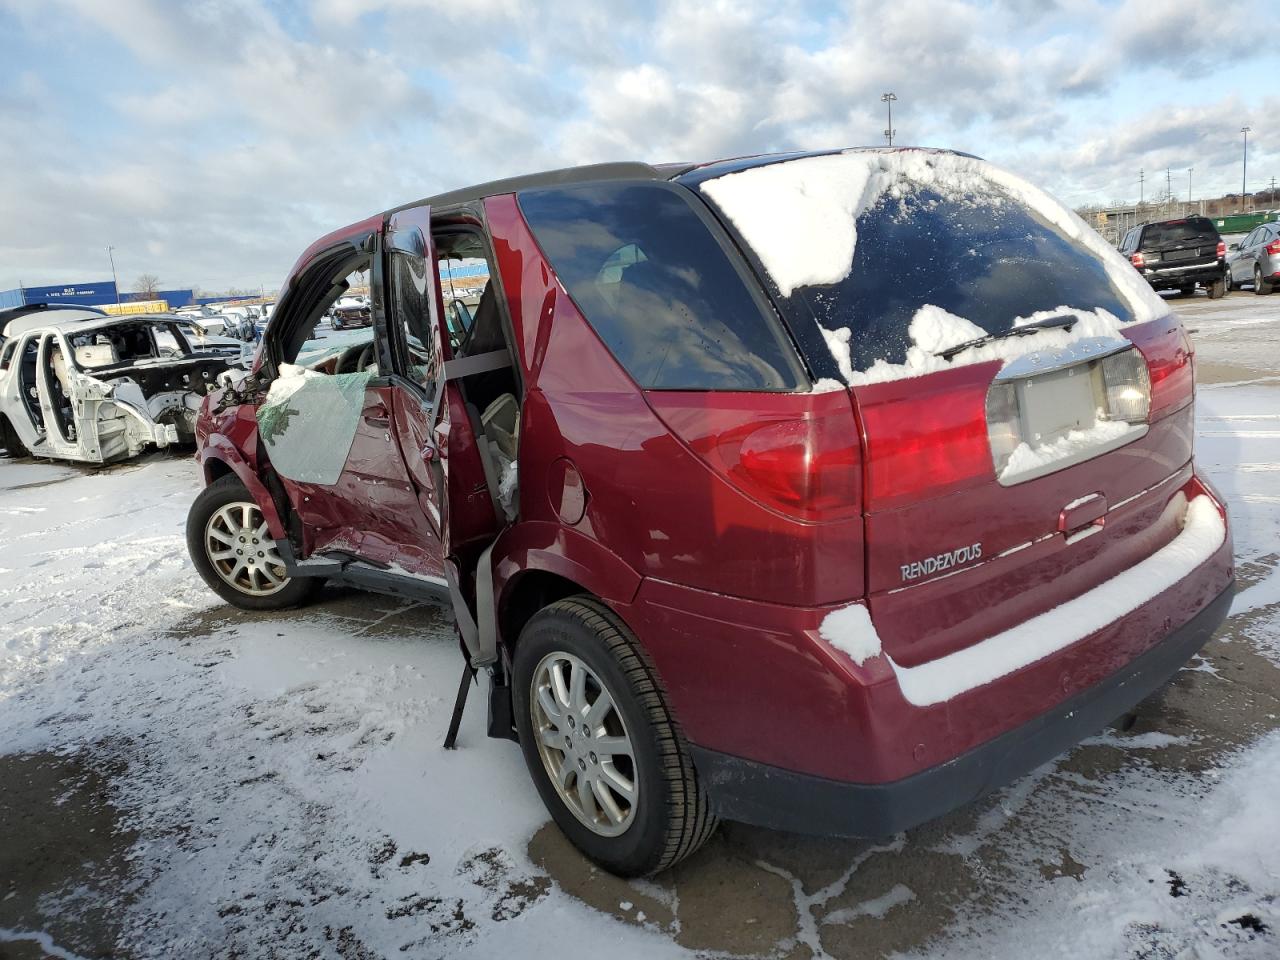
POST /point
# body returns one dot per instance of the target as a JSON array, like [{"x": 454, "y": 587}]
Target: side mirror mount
[{"x": 1234, "y": 246}]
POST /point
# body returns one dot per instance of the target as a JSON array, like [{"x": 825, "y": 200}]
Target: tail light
[
  {"x": 796, "y": 453},
  {"x": 926, "y": 436},
  {"x": 1171, "y": 371},
  {"x": 1222, "y": 249},
  {"x": 1273, "y": 247},
  {"x": 1126, "y": 387},
  {"x": 1137, "y": 260}
]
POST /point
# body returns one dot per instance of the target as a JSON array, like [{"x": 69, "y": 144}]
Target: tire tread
[{"x": 690, "y": 822}]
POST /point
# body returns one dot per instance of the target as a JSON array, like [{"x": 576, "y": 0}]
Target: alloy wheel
[
  {"x": 584, "y": 744},
  {"x": 242, "y": 553}
]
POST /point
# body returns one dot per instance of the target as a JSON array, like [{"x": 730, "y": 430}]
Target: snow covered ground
[{"x": 237, "y": 785}]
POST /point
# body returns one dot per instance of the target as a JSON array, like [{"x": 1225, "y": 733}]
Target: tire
[
  {"x": 1227, "y": 283},
  {"x": 10, "y": 440},
  {"x": 1188, "y": 291},
  {"x": 213, "y": 520},
  {"x": 1218, "y": 289},
  {"x": 668, "y": 816},
  {"x": 1260, "y": 286}
]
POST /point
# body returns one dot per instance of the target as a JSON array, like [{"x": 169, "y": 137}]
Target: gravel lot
[{"x": 183, "y": 779}]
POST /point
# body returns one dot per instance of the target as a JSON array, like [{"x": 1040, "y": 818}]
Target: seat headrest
[{"x": 96, "y": 355}]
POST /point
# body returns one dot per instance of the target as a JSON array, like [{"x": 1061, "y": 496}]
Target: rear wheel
[
  {"x": 1188, "y": 291},
  {"x": 601, "y": 745},
  {"x": 1227, "y": 283},
  {"x": 230, "y": 547},
  {"x": 1218, "y": 289},
  {"x": 1260, "y": 286}
]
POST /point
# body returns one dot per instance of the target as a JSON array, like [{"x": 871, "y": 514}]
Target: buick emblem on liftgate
[{"x": 943, "y": 561}]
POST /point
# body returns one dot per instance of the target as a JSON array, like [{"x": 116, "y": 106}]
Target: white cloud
[{"x": 210, "y": 142}]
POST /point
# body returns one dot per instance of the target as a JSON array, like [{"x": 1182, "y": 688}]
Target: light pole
[
  {"x": 114, "y": 282},
  {"x": 887, "y": 99},
  {"x": 1189, "y": 200},
  {"x": 1244, "y": 166}
]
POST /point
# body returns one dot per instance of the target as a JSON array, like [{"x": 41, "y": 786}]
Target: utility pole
[
  {"x": 1142, "y": 180},
  {"x": 1168, "y": 182},
  {"x": 114, "y": 282},
  {"x": 1244, "y": 166},
  {"x": 1189, "y": 200},
  {"x": 887, "y": 99}
]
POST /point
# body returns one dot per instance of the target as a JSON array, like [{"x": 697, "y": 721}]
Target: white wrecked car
[{"x": 79, "y": 385}]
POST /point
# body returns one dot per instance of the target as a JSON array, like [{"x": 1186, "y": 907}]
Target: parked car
[
  {"x": 1256, "y": 260},
  {"x": 210, "y": 320},
  {"x": 202, "y": 341},
  {"x": 746, "y": 513},
  {"x": 1179, "y": 255},
  {"x": 351, "y": 316},
  {"x": 80, "y": 385}
]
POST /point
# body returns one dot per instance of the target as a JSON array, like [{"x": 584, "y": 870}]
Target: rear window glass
[
  {"x": 987, "y": 258},
  {"x": 1194, "y": 228},
  {"x": 658, "y": 288}
]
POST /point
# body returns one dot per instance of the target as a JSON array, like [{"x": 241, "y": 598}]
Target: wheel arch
[
  {"x": 537, "y": 563},
  {"x": 219, "y": 458}
]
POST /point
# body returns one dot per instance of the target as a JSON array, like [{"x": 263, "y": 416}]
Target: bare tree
[{"x": 147, "y": 286}]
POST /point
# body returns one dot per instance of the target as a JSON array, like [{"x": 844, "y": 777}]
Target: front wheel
[
  {"x": 230, "y": 547},
  {"x": 601, "y": 745}
]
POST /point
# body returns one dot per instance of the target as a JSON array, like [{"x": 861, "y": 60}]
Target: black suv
[{"x": 1178, "y": 255}]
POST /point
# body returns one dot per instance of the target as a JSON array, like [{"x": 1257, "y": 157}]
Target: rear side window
[
  {"x": 987, "y": 258},
  {"x": 1193, "y": 228},
  {"x": 653, "y": 281}
]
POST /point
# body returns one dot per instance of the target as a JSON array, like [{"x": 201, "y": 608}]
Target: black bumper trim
[{"x": 768, "y": 796}]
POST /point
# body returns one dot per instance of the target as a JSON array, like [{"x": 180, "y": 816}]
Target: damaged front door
[{"x": 329, "y": 435}]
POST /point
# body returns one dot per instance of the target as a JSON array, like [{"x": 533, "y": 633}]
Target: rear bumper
[
  {"x": 1162, "y": 278},
  {"x": 790, "y": 732},
  {"x": 769, "y": 796}
]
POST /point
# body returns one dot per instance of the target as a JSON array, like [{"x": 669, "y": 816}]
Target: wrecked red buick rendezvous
[{"x": 820, "y": 491}]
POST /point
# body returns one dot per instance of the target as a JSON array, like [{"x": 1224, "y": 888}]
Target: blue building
[{"x": 85, "y": 295}]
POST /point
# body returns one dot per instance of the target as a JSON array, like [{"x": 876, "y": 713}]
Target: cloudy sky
[{"x": 210, "y": 141}]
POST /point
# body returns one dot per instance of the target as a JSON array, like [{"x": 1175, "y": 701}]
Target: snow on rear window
[{"x": 891, "y": 253}]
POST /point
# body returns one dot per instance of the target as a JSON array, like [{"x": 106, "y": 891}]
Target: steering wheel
[{"x": 366, "y": 359}]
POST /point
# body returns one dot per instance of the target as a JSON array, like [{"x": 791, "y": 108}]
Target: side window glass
[
  {"x": 659, "y": 289},
  {"x": 167, "y": 344},
  {"x": 410, "y": 312},
  {"x": 463, "y": 283}
]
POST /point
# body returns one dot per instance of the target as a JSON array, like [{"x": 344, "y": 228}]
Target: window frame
[{"x": 455, "y": 219}]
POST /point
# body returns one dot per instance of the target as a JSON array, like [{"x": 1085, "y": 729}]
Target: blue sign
[{"x": 85, "y": 294}]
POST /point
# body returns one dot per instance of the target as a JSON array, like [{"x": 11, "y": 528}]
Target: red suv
[{"x": 820, "y": 491}]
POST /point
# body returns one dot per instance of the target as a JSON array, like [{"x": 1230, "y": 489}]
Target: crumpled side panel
[{"x": 308, "y": 422}]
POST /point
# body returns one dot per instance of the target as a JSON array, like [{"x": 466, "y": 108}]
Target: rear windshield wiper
[{"x": 1063, "y": 321}]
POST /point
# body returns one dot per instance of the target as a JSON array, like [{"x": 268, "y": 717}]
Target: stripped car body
[
  {"x": 81, "y": 386},
  {"x": 877, "y": 464}
]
